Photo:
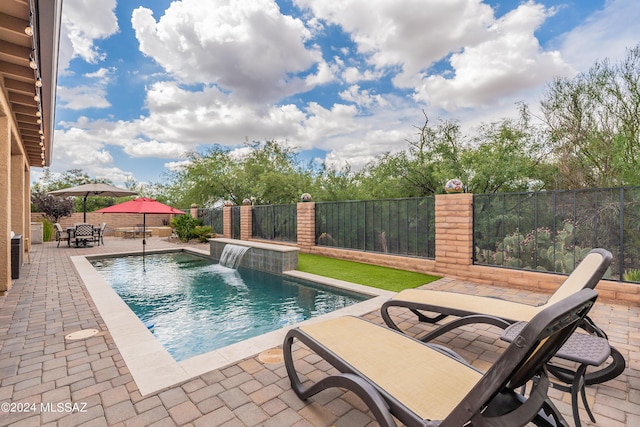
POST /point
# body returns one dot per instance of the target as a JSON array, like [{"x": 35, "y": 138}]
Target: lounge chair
[
  {"x": 425, "y": 385},
  {"x": 61, "y": 235},
  {"x": 472, "y": 309}
]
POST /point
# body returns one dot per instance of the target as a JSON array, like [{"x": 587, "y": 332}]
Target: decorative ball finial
[
  {"x": 306, "y": 197},
  {"x": 454, "y": 186}
]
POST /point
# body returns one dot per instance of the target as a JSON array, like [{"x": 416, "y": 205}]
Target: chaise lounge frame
[
  {"x": 425, "y": 385},
  {"x": 472, "y": 309}
]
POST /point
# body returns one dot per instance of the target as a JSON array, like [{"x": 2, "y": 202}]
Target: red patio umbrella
[{"x": 141, "y": 205}]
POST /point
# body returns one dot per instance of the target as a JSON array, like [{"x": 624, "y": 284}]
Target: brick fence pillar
[
  {"x": 194, "y": 210},
  {"x": 306, "y": 224},
  {"x": 226, "y": 222},
  {"x": 454, "y": 232},
  {"x": 246, "y": 222}
]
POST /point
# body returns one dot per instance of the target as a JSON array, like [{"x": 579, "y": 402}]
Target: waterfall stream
[{"x": 232, "y": 255}]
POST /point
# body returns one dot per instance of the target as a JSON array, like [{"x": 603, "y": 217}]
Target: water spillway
[
  {"x": 232, "y": 255},
  {"x": 262, "y": 256}
]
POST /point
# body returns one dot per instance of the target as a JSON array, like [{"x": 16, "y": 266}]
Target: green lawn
[{"x": 390, "y": 279}]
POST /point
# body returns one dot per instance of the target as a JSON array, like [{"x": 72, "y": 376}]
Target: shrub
[
  {"x": 204, "y": 233},
  {"x": 47, "y": 230},
  {"x": 187, "y": 228},
  {"x": 631, "y": 275}
]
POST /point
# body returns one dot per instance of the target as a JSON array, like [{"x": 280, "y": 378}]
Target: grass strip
[{"x": 390, "y": 279}]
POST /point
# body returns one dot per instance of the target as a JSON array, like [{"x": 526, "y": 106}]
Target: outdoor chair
[
  {"x": 98, "y": 233},
  {"x": 422, "y": 384},
  {"x": 473, "y": 309},
  {"x": 61, "y": 235},
  {"x": 83, "y": 234}
]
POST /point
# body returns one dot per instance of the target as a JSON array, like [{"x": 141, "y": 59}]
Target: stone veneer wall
[{"x": 261, "y": 256}]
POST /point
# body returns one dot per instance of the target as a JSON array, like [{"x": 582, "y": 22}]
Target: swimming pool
[{"x": 198, "y": 306}]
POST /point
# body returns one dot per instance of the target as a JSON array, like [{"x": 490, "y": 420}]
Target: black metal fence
[
  {"x": 235, "y": 222},
  {"x": 212, "y": 217},
  {"x": 275, "y": 222},
  {"x": 393, "y": 226},
  {"x": 553, "y": 230}
]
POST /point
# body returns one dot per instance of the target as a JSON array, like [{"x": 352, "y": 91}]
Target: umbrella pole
[
  {"x": 84, "y": 209},
  {"x": 144, "y": 233}
]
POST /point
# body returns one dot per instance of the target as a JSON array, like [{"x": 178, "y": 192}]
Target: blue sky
[{"x": 142, "y": 82}]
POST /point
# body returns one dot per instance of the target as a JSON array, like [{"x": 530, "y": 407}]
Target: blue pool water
[{"x": 198, "y": 306}]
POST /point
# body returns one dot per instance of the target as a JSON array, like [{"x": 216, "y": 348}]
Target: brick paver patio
[{"x": 53, "y": 381}]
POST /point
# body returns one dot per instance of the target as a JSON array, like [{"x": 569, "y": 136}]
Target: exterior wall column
[
  {"x": 5, "y": 204},
  {"x": 17, "y": 196},
  {"x": 246, "y": 222},
  {"x": 26, "y": 190},
  {"x": 226, "y": 222},
  {"x": 454, "y": 232},
  {"x": 306, "y": 224}
]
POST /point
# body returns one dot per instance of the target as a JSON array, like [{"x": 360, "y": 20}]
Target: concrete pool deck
[{"x": 50, "y": 300}]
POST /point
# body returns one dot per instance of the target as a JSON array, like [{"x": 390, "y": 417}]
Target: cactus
[{"x": 538, "y": 250}]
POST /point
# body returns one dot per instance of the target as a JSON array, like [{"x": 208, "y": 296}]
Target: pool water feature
[
  {"x": 232, "y": 255},
  {"x": 197, "y": 306}
]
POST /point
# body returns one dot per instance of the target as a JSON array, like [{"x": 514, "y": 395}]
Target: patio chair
[
  {"x": 61, "y": 235},
  {"x": 425, "y": 385},
  {"x": 472, "y": 309},
  {"x": 83, "y": 234},
  {"x": 98, "y": 233}
]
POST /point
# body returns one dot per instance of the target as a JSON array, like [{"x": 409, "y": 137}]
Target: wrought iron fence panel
[
  {"x": 554, "y": 230},
  {"x": 213, "y": 217},
  {"x": 235, "y": 222},
  {"x": 275, "y": 222},
  {"x": 394, "y": 226}
]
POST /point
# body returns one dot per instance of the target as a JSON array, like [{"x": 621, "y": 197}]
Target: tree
[
  {"x": 271, "y": 172},
  {"x": 506, "y": 156},
  {"x": 594, "y": 124},
  {"x": 52, "y": 207}
]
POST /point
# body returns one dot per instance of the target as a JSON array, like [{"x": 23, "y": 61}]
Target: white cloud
[
  {"x": 354, "y": 75},
  {"x": 608, "y": 33},
  {"x": 83, "y": 22},
  {"x": 411, "y": 34},
  {"x": 362, "y": 97},
  {"x": 87, "y": 96},
  {"x": 177, "y": 166},
  {"x": 509, "y": 62},
  {"x": 248, "y": 47},
  {"x": 82, "y": 97}
]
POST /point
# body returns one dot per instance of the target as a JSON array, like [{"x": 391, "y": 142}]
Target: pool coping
[{"x": 150, "y": 364}]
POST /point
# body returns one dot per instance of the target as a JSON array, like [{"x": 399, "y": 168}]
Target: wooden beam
[
  {"x": 19, "y": 53},
  {"x": 23, "y": 109},
  {"x": 13, "y": 24},
  {"x": 19, "y": 87},
  {"x": 17, "y": 98},
  {"x": 29, "y": 126},
  {"x": 17, "y": 71}
]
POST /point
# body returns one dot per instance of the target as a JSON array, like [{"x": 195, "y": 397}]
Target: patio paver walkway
[{"x": 50, "y": 381}]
